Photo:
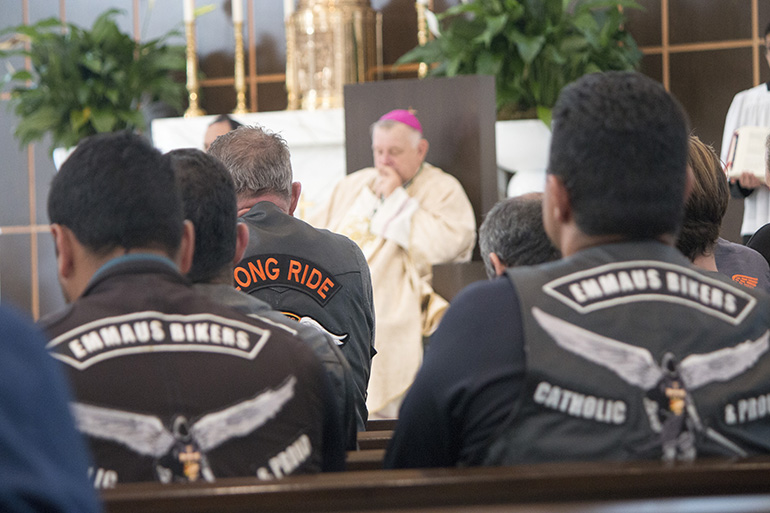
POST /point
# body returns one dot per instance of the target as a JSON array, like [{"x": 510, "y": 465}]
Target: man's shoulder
[
  {"x": 294, "y": 237},
  {"x": 431, "y": 177},
  {"x": 744, "y": 254},
  {"x": 756, "y": 93},
  {"x": 230, "y": 296}
]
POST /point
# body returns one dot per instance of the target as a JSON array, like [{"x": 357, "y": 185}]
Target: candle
[
  {"x": 237, "y": 6},
  {"x": 288, "y": 8},
  {"x": 189, "y": 11}
]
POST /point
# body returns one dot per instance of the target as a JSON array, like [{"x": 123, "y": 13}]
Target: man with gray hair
[
  {"x": 512, "y": 234},
  {"x": 314, "y": 276},
  {"x": 208, "y": 197}
]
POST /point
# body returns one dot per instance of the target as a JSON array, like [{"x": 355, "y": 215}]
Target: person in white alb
[
  {"x": 406, "y": 215},
  {"x": 750, "y": 108}
]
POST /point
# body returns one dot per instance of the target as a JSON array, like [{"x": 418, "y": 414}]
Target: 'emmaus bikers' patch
[
  {"x": 628, "y": 282},
  {"x": 296, "y": 273},
  {"x": 151, "y": 332}
]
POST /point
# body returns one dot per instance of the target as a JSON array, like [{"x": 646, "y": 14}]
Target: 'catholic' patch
[{"x": 286, "y": 271}]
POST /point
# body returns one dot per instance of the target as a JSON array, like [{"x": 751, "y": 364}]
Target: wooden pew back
[{"x": 566, "y": 487}]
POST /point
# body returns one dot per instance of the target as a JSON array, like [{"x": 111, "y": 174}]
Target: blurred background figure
[
  {"x": 220, "y": 126},
  {"x": 706, "y": 206},
  {"x": 512, "y": 234}
]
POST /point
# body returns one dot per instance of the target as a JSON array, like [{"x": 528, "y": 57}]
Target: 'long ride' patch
[{"x": 286, "y": 271}]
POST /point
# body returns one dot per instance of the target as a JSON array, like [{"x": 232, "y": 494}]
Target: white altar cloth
[{"x": 316, "y": 140}]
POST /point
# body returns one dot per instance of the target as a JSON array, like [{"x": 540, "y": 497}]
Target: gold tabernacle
[{"x": 329, "y": 43}]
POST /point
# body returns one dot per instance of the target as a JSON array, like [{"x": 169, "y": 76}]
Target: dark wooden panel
[
  {"x": 51, "y": 298},
  {"x": 365, "y": 460},
  {"x": 15, "y": 273},
  {"x": 368, "y": 440},
  {"x": 705, "y": 83},
  {"x": 458, "y": 119},
  {"x": 694, "y": 21},
  {"x": 764, "y": 16},
  {"x": 218, "y": 99},
  {"x": 399, "y": 28},
  {"x": 381, "y": 424},
  {"x": 644, "y": 24},
  {"x": 272, "y": 97},
  {"x": 449, "y": 279},
  {"x": 652, "y": 66},
  {"x": 731, "y": 223}
]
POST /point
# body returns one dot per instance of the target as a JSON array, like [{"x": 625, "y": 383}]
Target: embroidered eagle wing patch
[
  {"x": 636, "y": 365},
  {"x": 146, "y": 434}
]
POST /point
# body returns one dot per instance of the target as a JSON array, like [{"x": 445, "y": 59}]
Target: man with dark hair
[
  {"x": 43, "y": 459},
  {"x": 169, "y": 385},
  {"x": 620, "y": 350},
  {"x": 209, "y": 202},
  {"x": 314, "y": 276},
  {"x": 706, "y": 205},
  {"x": 220, "y": 126},
  {"x": 750, "y": 108},
  {"x": 512, "y": 234}
]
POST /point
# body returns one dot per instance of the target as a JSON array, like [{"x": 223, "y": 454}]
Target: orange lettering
[
  {"x": 294, "y": 268},
  {"x": 317, "y": 274},
  {"x": 257, "y": 271},
  {"x": 304, "y": 274},
  {"x": 271, "y": 266},
  {"x": 241, "y": 282},
  {"x": 325, "y": 287}
]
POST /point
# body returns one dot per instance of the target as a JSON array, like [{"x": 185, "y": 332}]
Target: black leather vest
[
  {"x": 313, "y": 276},
  {"x": 633, "y": 353}
]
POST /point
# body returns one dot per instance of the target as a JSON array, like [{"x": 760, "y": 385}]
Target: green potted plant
[
  {"x": 82, "y": 82},
  {"x": 533, "y": 47}
]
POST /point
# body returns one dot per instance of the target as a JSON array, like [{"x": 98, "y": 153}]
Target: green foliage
[
  {"x": 533, "y": 47},
  {"x": 82, "y": 82}
]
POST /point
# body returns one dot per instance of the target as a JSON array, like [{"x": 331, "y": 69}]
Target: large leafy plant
[
  {"x": 533, "y": 47},
  {"x": 82, "y": 82}
]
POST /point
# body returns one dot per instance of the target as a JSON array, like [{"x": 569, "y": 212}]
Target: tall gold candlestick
[
  {"x": 291, "y": 89},
  {"x": 240, "y": 76},
  {"x": 422, "y": 35},
  {"x": 193, "y": 87}
]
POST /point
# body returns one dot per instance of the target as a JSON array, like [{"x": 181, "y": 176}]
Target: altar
[{"x": 316, "y": 140}]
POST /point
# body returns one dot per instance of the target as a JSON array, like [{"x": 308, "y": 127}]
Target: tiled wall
[{"x": 704, "y": 51}]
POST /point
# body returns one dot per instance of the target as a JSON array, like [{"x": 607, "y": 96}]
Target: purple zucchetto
[{"x": 404, "y": 116}]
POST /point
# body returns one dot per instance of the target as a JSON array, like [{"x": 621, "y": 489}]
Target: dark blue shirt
[
  {"x": 43, "y": 459},
  {"x": 468, "y": 383}
]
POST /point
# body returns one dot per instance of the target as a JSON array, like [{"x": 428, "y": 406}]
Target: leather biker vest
[{"x": 633, "y": 353}]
